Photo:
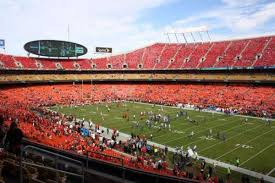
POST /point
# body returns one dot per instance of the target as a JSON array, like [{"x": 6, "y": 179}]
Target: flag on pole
[{"x": 2, "y": 43}]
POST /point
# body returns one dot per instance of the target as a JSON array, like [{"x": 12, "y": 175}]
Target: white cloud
[
  {"x": 117, "y": 23},
  {"x": 92, "y": 22},
  {"x": 243, "y": 17},
  {"x": 250, "y": 21},
  {"x": 236, "y": 3}
]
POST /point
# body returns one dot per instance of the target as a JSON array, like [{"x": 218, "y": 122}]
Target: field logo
[
  {"x": 244, "y": 146},
  {"x": 207, "y": 138}
]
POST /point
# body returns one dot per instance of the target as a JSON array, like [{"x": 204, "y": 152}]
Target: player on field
[
  {"x": 209, "y": 133},
  {"x": 224, "y": 137},
  {"x": 191, "y": 134},
  {"x": 237, "y": 161},
  {"x": 218, "y": 135}
]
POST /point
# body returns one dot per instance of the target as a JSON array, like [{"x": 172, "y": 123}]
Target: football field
[{"x": 217, "y": 136}]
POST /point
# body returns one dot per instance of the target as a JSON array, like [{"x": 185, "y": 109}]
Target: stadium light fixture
[{"x": 188, "y": 31}]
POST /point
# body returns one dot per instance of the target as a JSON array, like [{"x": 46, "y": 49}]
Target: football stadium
[{"x": 106, "y": 102}]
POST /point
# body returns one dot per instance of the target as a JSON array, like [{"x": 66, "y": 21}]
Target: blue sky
[{"x": 129, "y": 24}]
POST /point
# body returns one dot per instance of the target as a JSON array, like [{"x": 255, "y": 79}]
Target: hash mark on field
[
  {"x": 186, "y": 129},
  {"x": 196, "y": 132},
  {"x": 209, "y": 147},
  {"x": 257, "y": 153},
  {"x": 199, "y": 116},
  {"x": 118, "y": 117},
  {"x": 222, "y": 131},
  {"x": 205, "y": 111},
  {"x": 239, "y": 146},
  {"x": 179, "y": 125},
  {"x": 271, "y": 171}
]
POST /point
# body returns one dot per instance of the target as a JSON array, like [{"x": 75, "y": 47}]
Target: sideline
[
  {"x": 123, "y": 136},
  {"x": 204, "y": 110}
]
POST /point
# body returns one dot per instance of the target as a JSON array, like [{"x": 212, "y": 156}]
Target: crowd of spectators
[
  {"x": 55, "y": 130},
  {"x": 22, "y": 113}
]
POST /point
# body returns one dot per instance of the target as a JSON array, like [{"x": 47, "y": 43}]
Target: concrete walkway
[{"x": 124, "y": 137}]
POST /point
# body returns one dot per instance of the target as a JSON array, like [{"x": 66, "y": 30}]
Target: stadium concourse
[
  {"x": 25, "y": 105},
  {"x": 242, "y": 53}
]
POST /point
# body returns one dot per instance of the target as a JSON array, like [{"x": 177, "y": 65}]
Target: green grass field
[{"x": 253, "y": 142}]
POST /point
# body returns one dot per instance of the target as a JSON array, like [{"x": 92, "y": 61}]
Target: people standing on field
[
  {"x": 237, "y": 161},
  {"x": 228, "y": 173}
]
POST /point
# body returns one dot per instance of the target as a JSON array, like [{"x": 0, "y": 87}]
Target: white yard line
[
  {"x": 239, "y": 146},
  {"x": 185, "y": 123},
  {"x": 196, "y": 132},
  {"x": 118, "y": 117},
  {"x": 208, "y": 160},
  {"x": 271, "y": 171},
  {"x": 208, "y": 111},
  {"x": 209, "y": 147},
  {"x": 222, "y": 131},
  {"x": 258, "y": 153},
  {"x": 185, "y": 129},
  {"x": 191, "y": 109},
  {"x": 110, "y": 124},
  {"x": 124, "y": 136}
]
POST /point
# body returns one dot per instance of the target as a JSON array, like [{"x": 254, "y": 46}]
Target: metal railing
[
  {"x": 85, "y": 163},
  {"x": 56, "y": 156}
]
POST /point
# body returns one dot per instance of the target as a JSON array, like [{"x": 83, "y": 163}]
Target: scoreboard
[{"x": 55, "y": 48}]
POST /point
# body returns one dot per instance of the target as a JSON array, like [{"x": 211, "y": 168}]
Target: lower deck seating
[{"x": 16, "y": 102}]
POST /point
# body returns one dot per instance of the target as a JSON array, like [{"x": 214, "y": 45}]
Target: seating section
[
  {"x": 117, "y": 61},
  {"x": 253, "y": 48},
  {"x": 268, "y": 54},
  {"x": 152, "y": 55},
  {"x": 230, "y": 54},
  {"x": 7, "y": 61},
  {"x": 181, "y": 56},
  {"x": 215, "y": 51},
  {"x": 85, "y": 64},
  {"x": 101, "y": 63},
  {"x": 133, "y": 59},
  {"x": 245, "y": 99},
  {"x": 52, "y": 129},
  {"x": 197, "y": 55},
  {"x": 47, "y": 131},
  {"x": 28, "y": 63},
  {"x": 67, "y": 64},
  {"x": 48, "y": 64},
  {"x": 258, "y": 52},
  {"x": 167, "y": 56}
]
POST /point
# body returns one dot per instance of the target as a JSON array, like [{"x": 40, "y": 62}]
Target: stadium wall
[{"x": 241, "y": 77}]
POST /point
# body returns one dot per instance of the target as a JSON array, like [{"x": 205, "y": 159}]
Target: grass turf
[{"x": 255, "y": 139}]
